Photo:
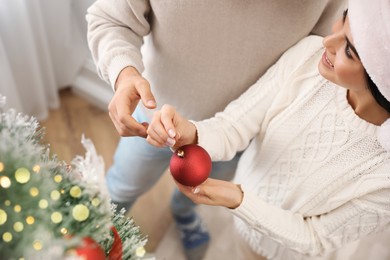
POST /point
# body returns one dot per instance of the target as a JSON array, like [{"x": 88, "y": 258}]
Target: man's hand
[{"x": 130, "y": 88}]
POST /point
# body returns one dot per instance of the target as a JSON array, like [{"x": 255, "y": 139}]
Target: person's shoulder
[
  {"x": 304, "y": 50},
  {"x": 314, "y": 40},
  {"x": 307, "y": 45}
]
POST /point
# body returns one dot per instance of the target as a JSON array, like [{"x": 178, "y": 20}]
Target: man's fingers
[
  {"x": 128, "y": 127},
  {"x": 146, "y": 95}
]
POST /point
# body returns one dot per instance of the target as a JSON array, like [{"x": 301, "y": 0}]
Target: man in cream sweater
[{"x": 197, "y": 56}]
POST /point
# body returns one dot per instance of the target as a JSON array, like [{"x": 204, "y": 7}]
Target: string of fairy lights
[
  {"x": 47, "y": 207},
  {"x": 22, "y": 176}
]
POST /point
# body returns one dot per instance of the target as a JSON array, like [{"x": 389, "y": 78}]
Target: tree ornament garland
[{"x": 51, "y": 210}]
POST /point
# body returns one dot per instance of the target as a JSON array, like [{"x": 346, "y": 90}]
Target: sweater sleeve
[
  {"x": 231, "y": 130},
  {"x": 115, "y": 35},
  {"x": 316, "y": 235}
]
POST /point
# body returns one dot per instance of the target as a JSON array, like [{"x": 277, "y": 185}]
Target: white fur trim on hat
[
  {"x": 370, "y": 28},
  {"x": 384, "y": 135}
]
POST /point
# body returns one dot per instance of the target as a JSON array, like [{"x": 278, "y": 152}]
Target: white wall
[
  {"x": 87, "y": 84},
  {"x": 80, "y": 8}
]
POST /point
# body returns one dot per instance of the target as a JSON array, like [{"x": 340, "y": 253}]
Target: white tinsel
[{"x": 91, "y": 169}]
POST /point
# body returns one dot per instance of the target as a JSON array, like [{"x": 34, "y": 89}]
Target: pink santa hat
[{"x": 370, "y": 28}]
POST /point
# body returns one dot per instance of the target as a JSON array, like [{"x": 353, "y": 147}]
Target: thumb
[{"x": 146, "y": 95}]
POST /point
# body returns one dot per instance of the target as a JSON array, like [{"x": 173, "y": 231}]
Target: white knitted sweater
[{"x": 314, "y": 175}]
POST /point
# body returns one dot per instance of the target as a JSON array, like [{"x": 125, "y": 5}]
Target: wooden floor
[{"x": 75, "y": 117}]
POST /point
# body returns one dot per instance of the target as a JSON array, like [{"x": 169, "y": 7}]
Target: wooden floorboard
[{"x": 75, "y": 117}]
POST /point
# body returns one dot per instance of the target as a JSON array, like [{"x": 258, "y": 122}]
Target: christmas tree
[{"x": 53, "y": 210}]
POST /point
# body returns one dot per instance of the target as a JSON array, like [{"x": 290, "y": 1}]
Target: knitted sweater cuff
[
  {"x": 120, "y": 62},
  {"x": 245, "y": 210}
]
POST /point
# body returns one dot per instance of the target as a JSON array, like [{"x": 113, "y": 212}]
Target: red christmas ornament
[
  {"x": 89, "y": 250},
  {"x": 190, "y": 165},
  {"x": 116, "y": 248}
]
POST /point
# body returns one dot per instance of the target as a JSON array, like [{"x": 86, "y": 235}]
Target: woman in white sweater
[{"x": 315, "y": 174}]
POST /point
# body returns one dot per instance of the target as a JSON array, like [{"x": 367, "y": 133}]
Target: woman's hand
[
  {"x": 215, "y": 193},
  {"x": 169, "y": 128}
]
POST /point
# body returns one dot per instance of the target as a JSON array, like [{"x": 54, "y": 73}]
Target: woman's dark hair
[{"x": 379, "y": 98}]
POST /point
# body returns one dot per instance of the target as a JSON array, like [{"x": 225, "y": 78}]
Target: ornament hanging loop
[{"x": 180, "y": 153}]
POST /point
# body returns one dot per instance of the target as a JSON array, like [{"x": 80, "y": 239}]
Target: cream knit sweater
[
  {"x": 314, "y": 175},
  {"x": 198, "y": 55}
]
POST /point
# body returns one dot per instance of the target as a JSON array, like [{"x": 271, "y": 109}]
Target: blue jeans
[{"x": 138, "y": 166}]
